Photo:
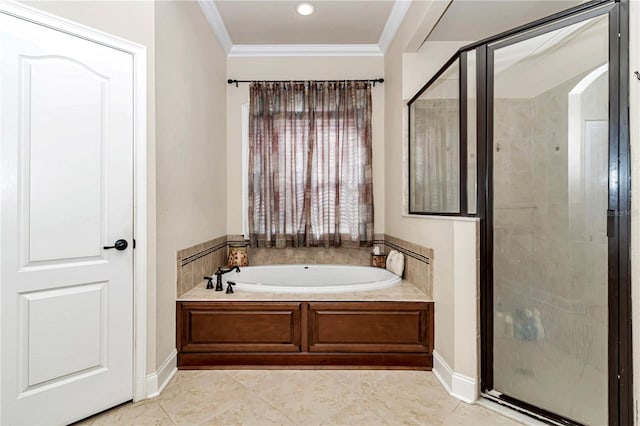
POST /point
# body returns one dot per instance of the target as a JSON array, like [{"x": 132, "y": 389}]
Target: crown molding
[
  {"x": 216, "y": 23},
  {"x": 398, "y": 12},
  {"x": 305, "y": 50}
]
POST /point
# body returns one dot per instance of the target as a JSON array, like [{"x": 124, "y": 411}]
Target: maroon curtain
[{"x": 310, "y": 164}]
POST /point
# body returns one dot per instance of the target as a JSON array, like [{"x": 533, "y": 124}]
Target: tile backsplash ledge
[{"x": 193, "y": 263}]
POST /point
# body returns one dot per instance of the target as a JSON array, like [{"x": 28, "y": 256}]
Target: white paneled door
[{"x": 66, "y": 175}]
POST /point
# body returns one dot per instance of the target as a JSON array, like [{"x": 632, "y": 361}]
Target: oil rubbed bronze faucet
[{"x": 219, "y": 273}]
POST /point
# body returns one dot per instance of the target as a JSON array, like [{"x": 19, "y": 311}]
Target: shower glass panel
[
  {"x": 434, "y": 146},
  {"x": 472, "y": 139},
  {"x": 550, "y": 193}
]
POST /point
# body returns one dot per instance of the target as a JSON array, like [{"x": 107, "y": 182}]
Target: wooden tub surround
[{"x": 217, "y": 332}]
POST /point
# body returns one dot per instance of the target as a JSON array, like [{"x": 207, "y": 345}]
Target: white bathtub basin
[{"x": 311, "y": 278}]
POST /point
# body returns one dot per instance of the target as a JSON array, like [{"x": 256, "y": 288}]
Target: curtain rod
[{"x": 371, "y": 80}]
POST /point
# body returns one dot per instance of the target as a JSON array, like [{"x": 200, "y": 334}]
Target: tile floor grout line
[
  {"x": 401, "y": 398},
  {"x": 252, "y": 391},
  {"x": 168, "y": 415},
  {"x": 454, "y": 410},
  {"x": 165, "y": 412},
  {"x": 160, "y": 400}
]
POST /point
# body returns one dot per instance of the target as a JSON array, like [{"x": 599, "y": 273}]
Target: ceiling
[
  {"x": 360, "y": 27},
  {"x": 277, "y": 23},
  {"x": 473, "y": 20}
]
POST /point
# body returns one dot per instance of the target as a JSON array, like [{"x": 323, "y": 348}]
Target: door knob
[{"x": 118, "y": 245}]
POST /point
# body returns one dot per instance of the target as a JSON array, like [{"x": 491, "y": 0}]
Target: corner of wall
[
  {"x": 466, "y": 298},
  {"x": 458, "y": 385},
  {"x": 159, "y": 379},
  {"x": 190, "y": 68},
  {"x": 455, "y": 289}
]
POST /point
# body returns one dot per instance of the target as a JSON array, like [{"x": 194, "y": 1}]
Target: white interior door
[{"x": 66, "y": 170}]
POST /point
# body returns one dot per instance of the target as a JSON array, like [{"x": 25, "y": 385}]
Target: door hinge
[{"x": 134, "y": 243}]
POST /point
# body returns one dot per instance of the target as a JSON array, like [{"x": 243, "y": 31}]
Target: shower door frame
[{"x": 620, "y": 391}]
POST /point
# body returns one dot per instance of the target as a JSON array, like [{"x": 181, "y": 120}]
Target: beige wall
[
  {"x": 134, "y": 21},
  {"x": 452, "y": 239},
  {"x": 299, "y": 68},
  {"x": 191, "y": 147},
  {"x": 466, "y": 297}
]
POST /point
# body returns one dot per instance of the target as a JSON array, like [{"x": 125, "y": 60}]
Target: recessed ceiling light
[{"x": 305, "y": 9}]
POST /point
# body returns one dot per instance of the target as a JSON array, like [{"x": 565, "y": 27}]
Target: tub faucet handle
[
  {"x": 219, "y": 279},
  {"x": 209, "y": 282},
  {"x": 229, "y": 288},
  {"x": 220, "y": 272}
]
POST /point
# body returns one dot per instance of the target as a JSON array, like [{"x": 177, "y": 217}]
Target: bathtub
[{"x": 311, "y": 278}]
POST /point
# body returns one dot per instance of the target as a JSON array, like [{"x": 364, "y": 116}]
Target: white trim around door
[{"x": 139, "y": 54}]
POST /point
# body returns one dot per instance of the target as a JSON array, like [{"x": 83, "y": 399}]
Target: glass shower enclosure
[
  {"x": 550, "y": 152},
  {"x": 528, "y": 131}
]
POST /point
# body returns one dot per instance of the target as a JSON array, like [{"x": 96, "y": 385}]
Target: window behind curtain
[{"x": 310, "y": 164}]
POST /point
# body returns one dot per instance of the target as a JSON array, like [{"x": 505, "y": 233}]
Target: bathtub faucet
[{"x": 219, "y": 273}]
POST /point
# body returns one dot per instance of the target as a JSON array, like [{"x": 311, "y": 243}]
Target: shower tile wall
[
  {"x": 195, "y": 262},
  {"x": 546, "y": 259}
]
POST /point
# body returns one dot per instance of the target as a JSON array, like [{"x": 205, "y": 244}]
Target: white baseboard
[
  {"x": 442, "y": 371},
  {"x": 459, "y": 386},
  {"x": 157, "y": 381}
]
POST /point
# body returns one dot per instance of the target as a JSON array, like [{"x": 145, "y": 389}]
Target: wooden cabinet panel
[
  {"x": 368, "y": 327},
  {"x": 239, "y": 327},
  {"x": 315, "y": 334}
]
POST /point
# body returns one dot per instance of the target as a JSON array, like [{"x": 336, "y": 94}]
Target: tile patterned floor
[{"x": 307, "y": 397}]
